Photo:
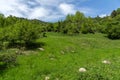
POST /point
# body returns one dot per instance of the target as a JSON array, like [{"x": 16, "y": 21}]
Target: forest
[{"x": 21, "y": 36}]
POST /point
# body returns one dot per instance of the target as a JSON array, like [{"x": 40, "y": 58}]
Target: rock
[
  {"x": 47, "y": 78},
  {"x": 41, "y": 49},
  {"x": 106, "y": 62},
  {"x": 82, "y": 70}
]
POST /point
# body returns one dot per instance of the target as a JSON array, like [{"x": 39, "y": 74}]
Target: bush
[
  {"x": 23, "y": 32},
  {"x": 114, "y": 32},
  {"x": 7, "y": 60}
]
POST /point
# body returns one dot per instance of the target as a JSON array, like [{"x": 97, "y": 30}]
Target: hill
[{"x": 64, "y": 55}]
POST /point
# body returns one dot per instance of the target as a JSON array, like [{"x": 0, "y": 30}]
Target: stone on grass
[
  {"x": 82, "y": 70},
  {"x": 106, "y": 62},
  {"x": 41, "y": 49},
  {"x": 47, "y": 78}
]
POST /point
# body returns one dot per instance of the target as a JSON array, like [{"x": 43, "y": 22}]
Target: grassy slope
[{"x": 64, "y": 55}]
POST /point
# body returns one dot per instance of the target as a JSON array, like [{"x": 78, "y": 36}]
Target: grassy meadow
[{"x": 62, "y": 57}]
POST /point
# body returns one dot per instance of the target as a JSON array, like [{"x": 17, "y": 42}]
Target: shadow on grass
[
  {"x": 28, "y": 46},
  {"x": 112, "y": 38},
  {"x": 34, "y": 45},
  {"x": 2, "y": 69},
  {"x": 7, "y": 61}
]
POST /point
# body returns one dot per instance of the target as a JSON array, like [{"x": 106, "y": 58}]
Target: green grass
[{"x": 64, "y": 55}]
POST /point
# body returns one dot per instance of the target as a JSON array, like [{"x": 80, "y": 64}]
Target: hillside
[{"x": 62, "y": 57}]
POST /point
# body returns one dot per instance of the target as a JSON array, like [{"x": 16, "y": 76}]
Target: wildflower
[
  {"x": 47, "y": 78},
  {"x": 82, "y": 70},
  {"x": 106, "y": 62}
]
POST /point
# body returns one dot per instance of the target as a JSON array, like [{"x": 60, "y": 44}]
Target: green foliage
[
  {"x": 72, "y": 24},
  {"x": 75, "y": 24},
  {"x": 114, "y": 30},
  {"x": 78, "y": 23},
  {"x": 2, "y": 19},
  {"x": 115, "y": 13},
  {"x": 19, "y": 30},
  {"x": 50, "y": 27},
  {"x": 89, "y": 26},
  {"x": 118, "y": 11},
  {"x": 113, "y": 25},
  {"x": 7, "y": 60}
]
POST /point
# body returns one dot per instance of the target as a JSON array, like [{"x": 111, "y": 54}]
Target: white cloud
[
  {"x": 39, "y": 12},
  {"x": 4, "y": 7},
  {"x": 31, "y": 3},
  {"x": 103, "y": 15},
  {"x": 41, "y": 9},
  {"x": 67, "y": 8},
  {"x": 8, "y": 7}
]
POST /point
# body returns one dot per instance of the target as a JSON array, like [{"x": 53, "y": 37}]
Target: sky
[{"x": 54, "y": 10}]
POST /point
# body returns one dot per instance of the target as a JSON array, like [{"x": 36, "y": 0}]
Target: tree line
[
  {"x": 80, "y": 24},
  {"x": 22, "y": 31}
]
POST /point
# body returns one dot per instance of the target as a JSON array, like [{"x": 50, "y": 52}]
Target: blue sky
[{"x": 54, "y": 10}]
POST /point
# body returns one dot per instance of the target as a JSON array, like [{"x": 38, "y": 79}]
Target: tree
[
  {"x": 79, "y": 17},
  {"x": 23, "y": 32},
  {"x": 50, "y": 27},
  {"x": 114, "y": 32},
  {"x": 73, "y": 23},
  {"x": 118, "y": 11},
  {"x": 26, "y": 32},
  {"x": 2, "y": 20},
  {"x": 113, "y": 14}
]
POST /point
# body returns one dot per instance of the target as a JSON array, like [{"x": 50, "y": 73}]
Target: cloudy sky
[{"x": 53, "y": 10}]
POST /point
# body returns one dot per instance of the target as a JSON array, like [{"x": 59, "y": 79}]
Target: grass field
[{"x": 64, "y": 55}]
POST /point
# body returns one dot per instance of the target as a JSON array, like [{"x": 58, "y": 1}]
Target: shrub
[
  {"x": 114, "y": 32},
  {"x": 7, "y": 60},
  {"x": 23, "y": 33}
]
